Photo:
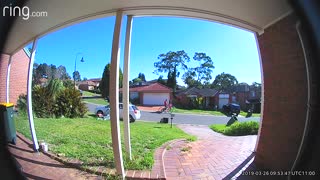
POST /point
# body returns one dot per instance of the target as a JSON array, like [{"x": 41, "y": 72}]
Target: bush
[
  {"x": 243, "y": 128},
  {"x": 237, "y": 128},
  {"x": 69, "y": 104},
  {"x": 42, "y": 102},
  {"x": 22, "y": 104}
]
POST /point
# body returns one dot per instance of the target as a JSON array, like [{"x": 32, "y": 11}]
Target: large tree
[
  {"x": 224, "y": 82},
  {"x": 49, "y": 72},
  {"x": 169, "y": 63},
  {"x": 201, "y": 75},
  {"x": 142, "y": 77},
  {"x": 105, "y": 80}
]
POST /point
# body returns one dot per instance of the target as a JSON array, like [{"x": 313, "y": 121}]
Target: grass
[
  {"x": 94, "y": 98},
  {"x": 242, "y": 113},
  {"x": 208, "y": 112},
  {"x": 89, "y": 94},
  {"x": 196, "y": 111},
  {"x": 100, "y": 101},
  {"x": 237, "y": 128},
  {"x": 89, "y": 140}
]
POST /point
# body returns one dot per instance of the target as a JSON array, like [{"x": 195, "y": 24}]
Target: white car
[{"x": 134, "y": 112}]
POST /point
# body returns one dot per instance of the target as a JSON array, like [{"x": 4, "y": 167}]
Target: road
[{"x": 183, "y": 118}]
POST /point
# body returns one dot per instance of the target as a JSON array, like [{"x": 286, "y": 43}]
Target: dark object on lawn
[
  {"x": 232, "y": 120},
  {"x": 231, "y": 108},
  {"x": 249, "y": 113},
  {"x": 164, "y": 120}
]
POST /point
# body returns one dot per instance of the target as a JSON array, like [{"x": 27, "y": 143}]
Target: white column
[
  {"x": 125, "y": 92},
  {"x": 29, "y": 96},
  {"x": 114, "y": 96},
  {"x": 8, "y": 80}
]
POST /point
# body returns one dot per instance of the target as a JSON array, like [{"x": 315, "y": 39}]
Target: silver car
[{"x": 134, "y": 112}]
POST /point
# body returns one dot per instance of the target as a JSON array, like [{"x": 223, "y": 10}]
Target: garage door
[
  {"x": 155, "y": 98},
  {"x": 223, "y": 99}
]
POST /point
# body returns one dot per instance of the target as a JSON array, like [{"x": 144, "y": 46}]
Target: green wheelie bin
[{"x": 6, "y": 117}]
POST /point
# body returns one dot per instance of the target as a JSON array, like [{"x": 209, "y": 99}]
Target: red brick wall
[
  {"x": 285, "y": 95},
  {"x": 4, "y": 59},
  {"x": 18, "y": 76}
]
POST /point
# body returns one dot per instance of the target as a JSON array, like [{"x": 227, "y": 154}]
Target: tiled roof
[
  {"x": 199, "y": 92},
  {"x": 155, "y": 87}
]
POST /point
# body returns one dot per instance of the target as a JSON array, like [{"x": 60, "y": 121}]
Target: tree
[
  {"x": 85, "y": 79},
  {"x": 224, "y": 82},
  {"x": 169, "y": 63},
  {"x": 105, "y": 80},
  {"x": 136, "y": 80},
  {"x": 62, "y": 73},
  {"x": 142, "y": 77},
  {"x": 76, "y": 76},
  {"x": 161, "y": 80},
  {"x": 201, "y": 75}
]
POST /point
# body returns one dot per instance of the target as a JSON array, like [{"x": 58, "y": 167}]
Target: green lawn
[
  {"x": 100, "y": 101},
  {"x": 89, "y": 139},
  {"x": 242, "y": 113},
  {"x": 197, "y": 111},
  {"x": 207, "y": 112},
  {"x": 89, "y": 94}
]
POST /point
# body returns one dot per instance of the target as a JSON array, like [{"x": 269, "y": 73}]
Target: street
[{"x": 183, "y": 118}]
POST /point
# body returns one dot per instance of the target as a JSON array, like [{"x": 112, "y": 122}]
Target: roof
[
  {"x": 94, "y": 79},
  {"x": 251, "y": 15},
  {"x": 90, "y": 83},
  {"x": 155, "y": 87},
  {"x": 206, "y": 92}
]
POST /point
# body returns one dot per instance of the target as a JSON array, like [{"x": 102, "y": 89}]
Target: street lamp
[{"x": 75, "y": 69}]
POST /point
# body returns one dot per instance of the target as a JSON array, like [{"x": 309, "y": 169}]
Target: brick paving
[
  {"x": 39, "y": 166},
  {"x": 212, "y": 156}
]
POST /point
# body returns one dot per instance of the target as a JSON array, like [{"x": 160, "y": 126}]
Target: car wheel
[
  {"x": 100, "y": 114},
  {"x": 132, "y": 119}
]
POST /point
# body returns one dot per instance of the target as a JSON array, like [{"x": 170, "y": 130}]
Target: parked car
[
  {"x": 134, "y": 112},
  {"x": 231, "y": 108}
]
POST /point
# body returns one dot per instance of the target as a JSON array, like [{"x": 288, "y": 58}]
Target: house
[
  {"x": 152, "y": 94},
  {"x": 18, "y": 75},
  {"x": 87, "y": 86},
  {"x": 197, "y": 98},
  {"x": 96, "y": 81},
  {"x": 247, "y": 96}
]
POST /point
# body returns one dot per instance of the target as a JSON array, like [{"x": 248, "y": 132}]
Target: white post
[
  {"x": 125, "y": 92},
  {"x": 29, "y": 96},
  {"x": 8, "y": 80},
  {"x": 114, "y": 96}
]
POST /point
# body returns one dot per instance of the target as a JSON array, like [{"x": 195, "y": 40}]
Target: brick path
[
  {"x": 39, "y": 166},
  {"x": 212, "y": 156}
]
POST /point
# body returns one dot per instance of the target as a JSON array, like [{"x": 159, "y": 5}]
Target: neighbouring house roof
[
  {"x": 89, "y": 83},
  {"x": 95, "y": 79},
  {"x": 155, "y": 87},
  {"x": 198, "y": 92}
]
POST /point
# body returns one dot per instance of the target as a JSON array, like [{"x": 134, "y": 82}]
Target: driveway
[
  {"x": 212, "y": 156},
  {"x": 183, "y": 118}
]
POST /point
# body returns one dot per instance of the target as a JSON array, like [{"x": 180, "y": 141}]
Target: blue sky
[{"x": 233, "y": 50}]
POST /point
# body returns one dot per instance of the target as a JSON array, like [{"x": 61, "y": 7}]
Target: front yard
[
  {"x": 208, "y": 112},
  {"x": 89, "y": 140}
]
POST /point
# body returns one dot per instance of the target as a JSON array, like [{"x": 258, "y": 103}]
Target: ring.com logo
[{"x": 23, "y": 12}]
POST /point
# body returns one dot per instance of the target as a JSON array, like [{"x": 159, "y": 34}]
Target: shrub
[
  {"x": 237, "y": 128},
  {"x": 42, "y": 102},
  {"x": 69, "y": 104},
  {"x": 243, "y": 128},
  {"x": 22, "y": 104}
]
